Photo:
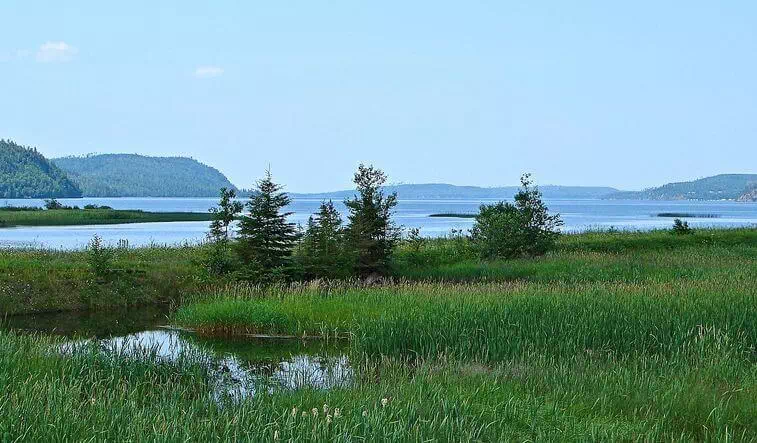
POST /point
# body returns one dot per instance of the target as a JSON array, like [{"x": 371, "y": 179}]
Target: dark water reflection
[{"x": 237, "y": 367}]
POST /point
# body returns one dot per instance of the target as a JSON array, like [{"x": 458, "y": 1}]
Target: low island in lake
[{"x": 16, "y": 216}]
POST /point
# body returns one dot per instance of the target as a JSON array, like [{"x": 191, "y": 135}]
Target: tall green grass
[
  {"x": 705, "y": 393},
  {"x": 497, "y": 322},
  {"x": 49, "y": 280},
  {"x": 591, "y": 256}
]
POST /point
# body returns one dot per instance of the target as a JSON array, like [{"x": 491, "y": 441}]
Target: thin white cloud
[
  {"x": 52, "y": 52},
  {"x": 208, "y": 71}
]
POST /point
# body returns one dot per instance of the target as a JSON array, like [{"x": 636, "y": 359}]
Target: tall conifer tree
[
  {"x": 371, "y": 233},
  {"x": 266, "y": 238}
]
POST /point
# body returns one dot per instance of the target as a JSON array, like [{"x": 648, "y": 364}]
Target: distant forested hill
[
  {"x": 441, "y": 191},
  {"x": 25, "y": 173},
  {"x": 132, "y": 175},
  {"x": 718, "y": 187}
]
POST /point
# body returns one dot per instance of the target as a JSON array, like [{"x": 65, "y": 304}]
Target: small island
[
  {"x": 22, "y": 216},
  {"x": 454, "y": 215}
]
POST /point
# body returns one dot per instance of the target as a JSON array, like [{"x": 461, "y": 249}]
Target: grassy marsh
[
  {"x": 48, "y": 280},
  {"x": 613, "y": 336}
]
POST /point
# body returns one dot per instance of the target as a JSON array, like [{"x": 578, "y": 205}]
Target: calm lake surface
[
  {"x": 579, "y": 215},
  {"x": 237, "y": 367}
]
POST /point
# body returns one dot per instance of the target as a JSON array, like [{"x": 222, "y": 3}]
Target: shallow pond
[{"x": 237, "y": 368}]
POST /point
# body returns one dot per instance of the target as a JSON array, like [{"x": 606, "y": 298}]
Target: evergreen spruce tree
[
  {"x": 322, "y": 249},
  {"x": 266, "y": 239},
  {"x": 371, "y": 233}
]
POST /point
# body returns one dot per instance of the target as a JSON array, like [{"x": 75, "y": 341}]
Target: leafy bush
[
  {"x": 415, "y": 244},
  {"x": 52, "y": 203},
  {"x": 681, "y": 227},
  {"x": 525, "y": 228},
  {"x": 91, "y": 206},
  {"x": 99, "y": 257}
]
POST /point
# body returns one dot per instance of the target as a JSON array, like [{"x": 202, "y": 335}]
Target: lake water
[
  {"x": 579, "y": 215},
  {"x": 237, "y": 367}
]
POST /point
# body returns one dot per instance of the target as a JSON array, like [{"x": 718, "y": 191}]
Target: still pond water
[
  {"x": 237, "y": 368},
  {"x": 578, "y": 215}
]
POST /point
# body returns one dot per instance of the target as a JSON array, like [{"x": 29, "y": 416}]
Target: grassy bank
[
  {"x": 592, "y": 256},
  {"x": 44, "y": 280},
  {"x": 70, "y": 217}
]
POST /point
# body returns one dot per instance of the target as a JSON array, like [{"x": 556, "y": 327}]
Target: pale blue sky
[{"x": 577, "y": 92}]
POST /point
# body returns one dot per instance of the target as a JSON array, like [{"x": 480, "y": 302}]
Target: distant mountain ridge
[
  {"x": 25, "y": 173},
  {"x": 441, "y": 191},
  {"x": 133, "y": 175},
  {"x": 718, "y": 187}
]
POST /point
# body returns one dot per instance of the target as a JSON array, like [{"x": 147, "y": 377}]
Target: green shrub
[
  {"x": 525, "y": 228},
  {"x": 681, "y": 227},
  {"x": 99, "y": 257},
  {"x": 415, "y": 245}
]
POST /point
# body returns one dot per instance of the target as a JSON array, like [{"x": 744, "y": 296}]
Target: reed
[{"x": 706, "y": 392}]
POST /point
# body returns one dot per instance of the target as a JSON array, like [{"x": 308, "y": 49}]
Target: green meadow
[{"x": 611, "y": 336}]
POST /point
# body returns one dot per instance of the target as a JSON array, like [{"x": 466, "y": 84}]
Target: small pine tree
[
  {"x": 217, "y": 259},
  {"x": 371, "y": 233},
  {"x": 226, "y": 212},
  {"x": 266, "y": 239},
  {"x": 322, "y": 250}
]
